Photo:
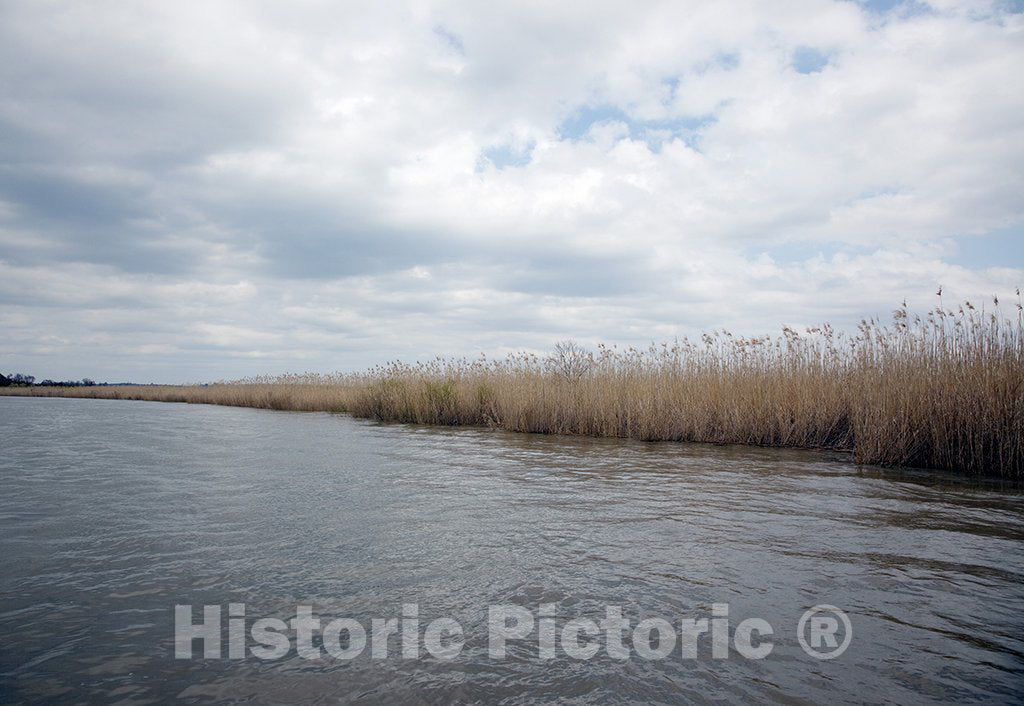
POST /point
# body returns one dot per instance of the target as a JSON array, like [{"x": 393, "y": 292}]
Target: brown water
[{"x": 112, "y": 513}]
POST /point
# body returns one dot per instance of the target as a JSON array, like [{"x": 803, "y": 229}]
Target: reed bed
[
  {"x": 943, "y": 390},
  {"x": 298, "y": 393}
]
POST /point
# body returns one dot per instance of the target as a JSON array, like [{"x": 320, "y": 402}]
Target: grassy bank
[
  {"x": 306, "y": 393},
  {"x": 945, "y": 390}
]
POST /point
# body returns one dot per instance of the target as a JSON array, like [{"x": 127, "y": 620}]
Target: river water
[{"x": 113, "y": 512}]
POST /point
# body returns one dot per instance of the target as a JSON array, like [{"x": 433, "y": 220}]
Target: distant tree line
[{"x": 20, "y": 380}]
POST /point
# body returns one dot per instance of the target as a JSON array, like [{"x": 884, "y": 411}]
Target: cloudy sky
[{"x": 201, "y": 191}]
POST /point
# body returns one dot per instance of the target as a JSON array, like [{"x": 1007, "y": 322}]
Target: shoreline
[
  {"x": 942, "y": 392},
  {"x": 930, "y": 476},
  {"x": 341, "y": 399}
]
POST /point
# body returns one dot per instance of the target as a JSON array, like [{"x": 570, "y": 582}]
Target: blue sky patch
[
  {"x": 902, "y": 8},
  {"x": 911, "y": 8},
  {"x": 807, "y": 60},
  {"x": 880, "y": 6},
  {"x": 1003, "y": 247},
  {"x": 654, "y": 132},
  {"x": 575, "y": 127},
  {"x": 453, "y": 40},
  {"x": 505, "y": 155}
]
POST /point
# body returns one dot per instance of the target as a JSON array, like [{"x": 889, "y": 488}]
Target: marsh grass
[
  {"x": 943, "y": 390},
  {"x": 302, "y": 393}
]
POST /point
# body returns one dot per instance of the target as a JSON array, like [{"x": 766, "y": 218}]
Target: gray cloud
[{"x": 213, "y": 190}]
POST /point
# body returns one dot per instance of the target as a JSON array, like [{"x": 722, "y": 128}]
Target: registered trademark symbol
[{"x": 819, "y": 632}]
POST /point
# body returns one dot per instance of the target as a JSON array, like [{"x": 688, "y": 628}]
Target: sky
[{"x": 194, "y": 192}]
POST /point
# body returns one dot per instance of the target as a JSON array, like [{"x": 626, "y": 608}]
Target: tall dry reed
[
  {"x": 945, "y": 390},
  {"x": 301, "y": 393}
]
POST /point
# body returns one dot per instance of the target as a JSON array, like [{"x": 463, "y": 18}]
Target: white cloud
[{"x": 203, "y": 191}]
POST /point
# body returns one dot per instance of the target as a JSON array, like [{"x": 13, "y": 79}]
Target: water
[{"x": 112, "y": 513}]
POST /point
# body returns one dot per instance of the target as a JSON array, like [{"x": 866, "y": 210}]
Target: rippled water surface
[{"x": 113, "y": 512}]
